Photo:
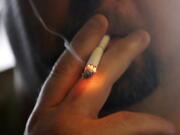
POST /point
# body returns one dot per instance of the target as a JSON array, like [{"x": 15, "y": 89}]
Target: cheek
[
  {"x": 160, "y": 14},
  {"x": 162, "y": 17}
]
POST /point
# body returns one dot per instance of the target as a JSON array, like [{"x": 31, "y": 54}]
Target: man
[{"x": 66, "y": 99}]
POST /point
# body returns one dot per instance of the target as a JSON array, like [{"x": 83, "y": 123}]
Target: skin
[
  {"x": 160, "y": 20},
  {"x": 65, "y": 101}
]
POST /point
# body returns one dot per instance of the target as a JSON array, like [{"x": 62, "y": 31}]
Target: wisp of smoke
[{"x": 67, "y": 45}]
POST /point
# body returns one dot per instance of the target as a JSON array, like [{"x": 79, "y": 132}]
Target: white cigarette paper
[{"x": 95, "y": 57}]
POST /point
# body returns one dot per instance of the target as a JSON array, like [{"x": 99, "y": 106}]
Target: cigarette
[{"x": 95, "y": 58}]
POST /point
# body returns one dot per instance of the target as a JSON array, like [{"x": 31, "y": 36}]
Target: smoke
[{"x": 67, "y": 45}]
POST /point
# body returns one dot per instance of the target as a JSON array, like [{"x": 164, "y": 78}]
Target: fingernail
[
  {"x": 98, "y": 20},
  {"x": 141, "y": 39},
  {"x": 143, "y": 36},
  {"x": 146, "y": 38}
]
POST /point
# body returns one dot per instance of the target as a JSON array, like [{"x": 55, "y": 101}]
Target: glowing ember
[{"x": 89, "y": 71}]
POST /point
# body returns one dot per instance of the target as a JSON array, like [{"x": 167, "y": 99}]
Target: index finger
[{"x": 67, "y": 69}]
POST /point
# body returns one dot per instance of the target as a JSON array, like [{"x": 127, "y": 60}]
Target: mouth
[
  {"x": 115, "y": 36},
  {"x": 123, "y": 16},
  {"x": 120, "y": 27}
]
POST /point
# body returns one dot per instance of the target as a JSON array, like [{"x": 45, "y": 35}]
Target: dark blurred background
[{"x": 10, "y": 114}]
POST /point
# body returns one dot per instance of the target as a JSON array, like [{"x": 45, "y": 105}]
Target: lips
[{"x": 123, "y": 16}]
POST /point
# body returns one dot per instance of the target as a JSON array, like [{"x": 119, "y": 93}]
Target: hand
[{"x": 69, "y": 105}]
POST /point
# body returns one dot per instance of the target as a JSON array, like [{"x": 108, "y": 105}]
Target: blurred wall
[{"x": 10, "y": 118}]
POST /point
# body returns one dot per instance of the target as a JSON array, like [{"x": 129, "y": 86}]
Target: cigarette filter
[{"x": 95, "y": 58}]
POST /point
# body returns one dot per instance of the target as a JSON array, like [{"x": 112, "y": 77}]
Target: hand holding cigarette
[{"x": 69, "y": 105}]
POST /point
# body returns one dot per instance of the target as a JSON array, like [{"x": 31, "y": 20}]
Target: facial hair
[{"x": 140, "y": 79}]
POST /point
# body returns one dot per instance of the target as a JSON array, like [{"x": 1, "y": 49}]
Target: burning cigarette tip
[
  {"x": 95, "y": 58},
  {"x": 87, "y": 74},
  {"x": 89, "y": 71}
]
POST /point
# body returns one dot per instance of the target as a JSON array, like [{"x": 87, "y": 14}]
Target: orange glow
[
  {"x": 90, "y": 87},
  {"x": 94, "y": 83}
]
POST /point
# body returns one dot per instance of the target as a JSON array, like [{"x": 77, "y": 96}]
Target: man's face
[{"x": 125, "y": 16}]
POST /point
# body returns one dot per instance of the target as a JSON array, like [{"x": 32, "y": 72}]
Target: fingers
[
  {"x": 121, "y": 53},
  {"x": 128, "y": 123},
  {"x": 88, "y": 96},
  {"x": 67, "y": 69}
]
